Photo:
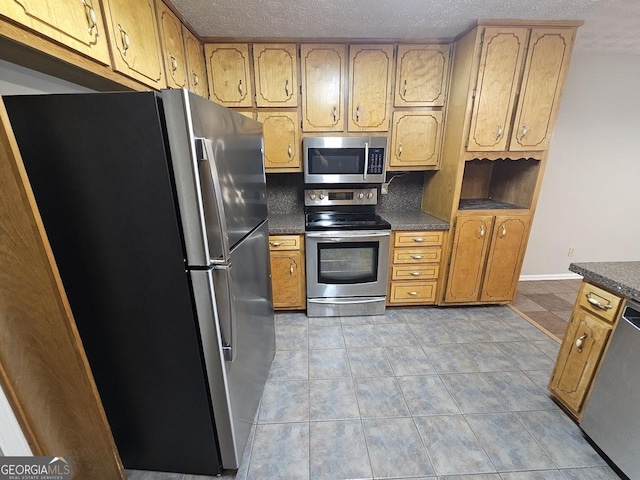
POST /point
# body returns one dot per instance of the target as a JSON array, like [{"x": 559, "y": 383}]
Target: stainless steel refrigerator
[{"x": 155, "y": 208}]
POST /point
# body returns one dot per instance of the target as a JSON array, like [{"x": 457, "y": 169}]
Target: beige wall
[{"x": 590, "y": 195}]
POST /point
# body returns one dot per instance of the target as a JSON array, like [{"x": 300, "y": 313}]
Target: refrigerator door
[
  {"x": 238, "y": 338},
  {"x": 218, "y": 165}
]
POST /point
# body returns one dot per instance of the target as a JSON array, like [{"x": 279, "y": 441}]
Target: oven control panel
[{"x": 340, "y": 196}]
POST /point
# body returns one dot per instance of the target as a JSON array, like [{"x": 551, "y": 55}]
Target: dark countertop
[
  {"x": 621, "y": 277},
  {"x": 286, "y": 223},
  {"x": 414, "y": 220}
]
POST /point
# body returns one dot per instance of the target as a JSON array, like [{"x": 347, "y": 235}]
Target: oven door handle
[{"x": 341, "y": 237}]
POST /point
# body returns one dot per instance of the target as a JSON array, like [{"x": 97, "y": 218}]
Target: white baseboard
[
  {"x": 554, "y": 276},
  {"x": 12, "y": 441}
]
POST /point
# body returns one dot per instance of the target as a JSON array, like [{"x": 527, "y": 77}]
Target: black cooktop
[{"x": 345, "y": 221}]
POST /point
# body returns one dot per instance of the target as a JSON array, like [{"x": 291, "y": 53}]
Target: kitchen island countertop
[{"x": 620, "y": 277}]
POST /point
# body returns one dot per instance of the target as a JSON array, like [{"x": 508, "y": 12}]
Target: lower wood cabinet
[
  {"x": 486, "y": 258},
  {"x": 583, "y": 347},
  {"x": 287, "y": 272},
  {"x": 414, "y": 269}
]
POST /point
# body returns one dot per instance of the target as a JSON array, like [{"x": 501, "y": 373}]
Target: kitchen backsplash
[
  {"x": 405, "y": 193},
  {"x": 285, "y": 193}
]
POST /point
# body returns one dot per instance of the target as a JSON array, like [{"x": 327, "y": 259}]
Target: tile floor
[
  {"x": 422, "y": 393},
  {"x": 548, "y": 303}
]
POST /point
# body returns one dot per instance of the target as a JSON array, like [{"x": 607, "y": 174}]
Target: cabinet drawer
[
  {"x": 284, "y": 242},
  {"x": 418, "y": 239},
  {"x": 413, "y": 292},
  {"x": 418, "y": 272},
  {"x": 417, "y": 255},
  {"x": 599, "y": 302}
]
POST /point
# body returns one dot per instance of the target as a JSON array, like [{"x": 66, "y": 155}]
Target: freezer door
[
  {"x": 238, "y": 337},
  {"x": 217, "y": 159}
]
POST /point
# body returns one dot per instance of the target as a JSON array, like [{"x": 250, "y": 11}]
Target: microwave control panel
[{"x": 376, "y": 161}]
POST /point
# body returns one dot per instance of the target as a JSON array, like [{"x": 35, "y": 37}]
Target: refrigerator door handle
[
  {"x": 214, "y": 216},
  {"x": 226, "y": 302}
]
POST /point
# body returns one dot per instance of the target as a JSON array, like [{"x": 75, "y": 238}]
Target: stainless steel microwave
[{"x": 344, "y": 159}]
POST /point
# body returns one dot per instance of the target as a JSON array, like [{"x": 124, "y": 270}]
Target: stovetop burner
[{"x": 345, "y": 221}]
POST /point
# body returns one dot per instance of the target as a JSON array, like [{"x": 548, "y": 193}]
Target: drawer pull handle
[
  {"x": 275, "y": 244},
  {"x": 417, "y": 257},
  {"x": 416, "y": 274},
  {"x": 597, "y": 304},
  {"x": 413, "y": 294},
  {"x": 580, "y": 342},
  {"x": 418, "y": 239}
]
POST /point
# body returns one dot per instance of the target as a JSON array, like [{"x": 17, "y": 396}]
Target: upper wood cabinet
[
  {"x": 545, "y": 71},
  {"x": 281, "y": 141},
  {"x": 422, "y": 75},
  {"x": 228, "y": 73},
  {"x": 175, "y": 65},
  {"x": 323, "y": 73},
  {"x": 370, "y": 76},
  {"x": 196, "y": 70},
  {"x": 75, "y": 23},
  {"x": 497, "y": 123},
  {"x": 415, "y": 140},
  {"x": 276, "y": 73},
  {"x": 134, "y": 40}
]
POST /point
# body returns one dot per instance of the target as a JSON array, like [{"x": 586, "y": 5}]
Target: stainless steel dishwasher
[{"x": 611, "y": 418}]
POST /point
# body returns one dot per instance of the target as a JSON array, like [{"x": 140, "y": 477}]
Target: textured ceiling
[{"x": 610, "y": 25}]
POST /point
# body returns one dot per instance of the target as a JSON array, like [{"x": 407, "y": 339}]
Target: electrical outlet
[{"x": 572, "y": 250}]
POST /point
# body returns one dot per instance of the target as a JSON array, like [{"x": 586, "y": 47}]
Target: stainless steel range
[{"x": 347, "y": 252}]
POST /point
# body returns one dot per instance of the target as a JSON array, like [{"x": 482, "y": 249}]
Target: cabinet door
[
  {"x": 370, "y": 68},
  {"x": 288, "y": 280},
  {"x": 323, "y": 72},
  {"x": 75, "y": 23},
  {"x": 506, "y": 253},
  {"x": 228, "y": 74},
  {"x": 134, "y": 40},
  {"x": 276, "y": 71},
  {"x": 196, "y": 70},
  {"x": 467, "y": 258},
  {"x": 175, "y": 65},
  {"x": 281, "y": 141},
  {"x": 500, "y": 66},
  {"x": 421, "y": 75},
  {"x": 544, "y": 75},
  {"x": 578, "y": 359},
  {"x": 415, "y": 140}
]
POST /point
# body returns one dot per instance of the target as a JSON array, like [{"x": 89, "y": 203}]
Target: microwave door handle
[{"x": 366, "y": 159}]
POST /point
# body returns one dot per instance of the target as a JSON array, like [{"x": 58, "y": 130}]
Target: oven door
[{"x": 347, "y": 263}]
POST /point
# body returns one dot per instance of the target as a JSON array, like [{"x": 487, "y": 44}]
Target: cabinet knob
[{"x": 580, "y": 342}]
